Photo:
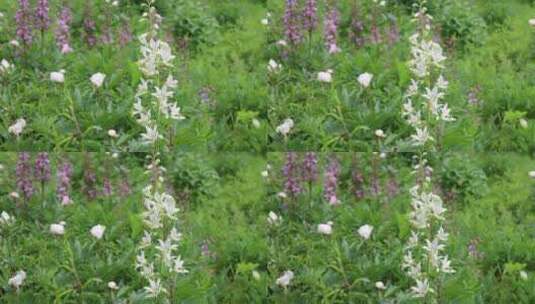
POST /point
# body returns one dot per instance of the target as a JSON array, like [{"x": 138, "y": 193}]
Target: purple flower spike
[
  {"x": 331, "y": 30},
  {"x": 42, "y": 19},
  {"x": 310, "y": 167},
  {"x": 23, "y": 172},
  {"x": 106, "y": 187},
  {"x": 23, "y": 21},
  {"x": 291, "y": 23},
  {"x": 291, "y": 185},
  {"x": 310, "y": 16},
  {"x": 42, "y": 168},
  {"x": 62, "y": 32},
  {"x": 64, "y": 180},
  {"x": 331, "y": 182},
  {"x": 89, "y": 31}
]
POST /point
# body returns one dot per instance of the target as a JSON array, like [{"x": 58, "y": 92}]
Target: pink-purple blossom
[
  {"x": 23, "y": 175},
  {"x": 63, "y": 30},
  {"x": 23, "y": 19},
  {"x": 331, "y": 30},
  {"x": 292, "y": 29}
]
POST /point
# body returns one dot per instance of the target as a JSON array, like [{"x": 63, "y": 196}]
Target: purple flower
[
  {"x": 392, "y": 187},
  {"x": 310, "y": 16},
  {"x": 106, "y": 37},
  {"x": 393, "y": 32},
  {"x": 64, "y": 180},
  {"x": 331, "y": 182},
  {"x": 356, "y": 30},
  {"x": 23, "y": 21},
  {"x": 310, "y": 167},
  {"x": 291, "y": 23},
  {"x": 358, "y": 182},
  {"x": 23, "y": 172},
  {"x": 331, "y": 30},
  {"x": 42, "y": 20},
  {"x": 90, "y": 180},
  {"x": 42, "y": 168},
  {"x": 290, "y": 171},
  {"x": 89, "y": 30},
  {"x": 124, "y": 187},
  {"x": 106, "y": 187},
  {"x": 125, "y": 34},
  {"x": 375, "y": 33},
  {"x": 62, "y": 32}
]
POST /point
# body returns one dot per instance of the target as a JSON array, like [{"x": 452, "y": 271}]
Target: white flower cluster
[
  {"x": 423, "y": 106},
  {"x": 424, "y": 260},
  {"x": 159, "y": 216},
  {"x": 156, "y": 59},
  {"x": 157, "y": 261}
]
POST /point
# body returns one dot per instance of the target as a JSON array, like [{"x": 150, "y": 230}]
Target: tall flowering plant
[
  {"x": 425, "y": 261},
  {"x": 157, "y": 260}
]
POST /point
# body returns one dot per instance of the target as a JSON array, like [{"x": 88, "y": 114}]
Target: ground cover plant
[{"x": 267, "y": 151}]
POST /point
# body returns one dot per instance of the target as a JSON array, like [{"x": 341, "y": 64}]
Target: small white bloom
[
  {"x": 18, "y": 279},
  {"x": 256, "y": 275},
  {"x": 265, "y": 173},
  {"x": 58, "y": 76},
  {"x": 285, "y": 279},
  {"x": 380, "y": 285},
  {"x": 14, "y": 195},
  {"x": 523, "y": 123},
  {"x": 532, "y": 22},
  {"x": 14, "y": 43},
  {"x": 524, "y": 275},
  {"x": 379, "y": 133},
  {"x": 112, "y": 133},
  {"x": 98, "y": 231},
  {"x": 17, "y": 127},
  {"x": 365, "y": 231},
  {"x": 274, "y": 67},
  {"x": 273, "y": 218},
  {"x": 112, "y": 285},
  {"x": 325, "y": 76},
  {"x": 256, "y": 123},
  {"x": 365, "y": 79},
  {"x": 532, "y": 174},
  {"x": 326, "y": 229},
  {"x": 265, "y": 21},
  {"x": 98, "y": 79},
  {"x": 282, "y": 195},
  {"x": 282, "y": 43},
  {"x": 285, "y": 127},
  {"x": 6, "y": 219},
  {"x": 57, "y": 229},
  {"x": 421, "y": 289}
]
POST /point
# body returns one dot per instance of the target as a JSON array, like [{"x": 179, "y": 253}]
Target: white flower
[
  {"x": 18, "y": 279},
  {"x": 273, "y": 218},
  {"x": 112, "y": 133},
  {"x": 256, "y": 123},
  {"x": 6, "y": 219},
  {"x": 532, "y": 22},
  {"x": 523, "y": 123},
  {"x": 365, "y": 231},
  {"x": 274, "y": 67},
  {"x": 325, "y": 76},
  {"x": 57, "y": 229},
  {"x": 155, "y": 288},
  {"x": 112, "y": 285},
  {"x": 265, "y": 173},
  {"x": 285, "y": 127},
  {"x": 285, "y": 279},
  {"x": 531, "y": 174},
  {"x": 282, "y": 195},
  {"x": 379, "y": 133},
  {"x": 58, "y": 76},
  {"x": 17, "y": 127},
  {"x": 282, "y": 43},
  {"x": 421, "y": 137},
  {"x": 380, "y": 285},
  {"x": 5, "y": 66},
  {"x": 256, "y": 275},
  {"x": 523, "y": 275},
  {"x": 365, "y": 79},
  {"x": 98, "y": 79},
  {"x": 421, "y": 289},
  {"x": 14, "y": 195},
  {"x": 179, "y": 266},
  {"x": 326, "y": 229},
  {"x": 98, "y": 231},
  {"x": 265, "y": 21},
  {"x": 14, "y": 43}
]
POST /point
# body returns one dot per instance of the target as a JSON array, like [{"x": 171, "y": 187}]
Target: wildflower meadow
[{"x": 267, "y": 151}]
